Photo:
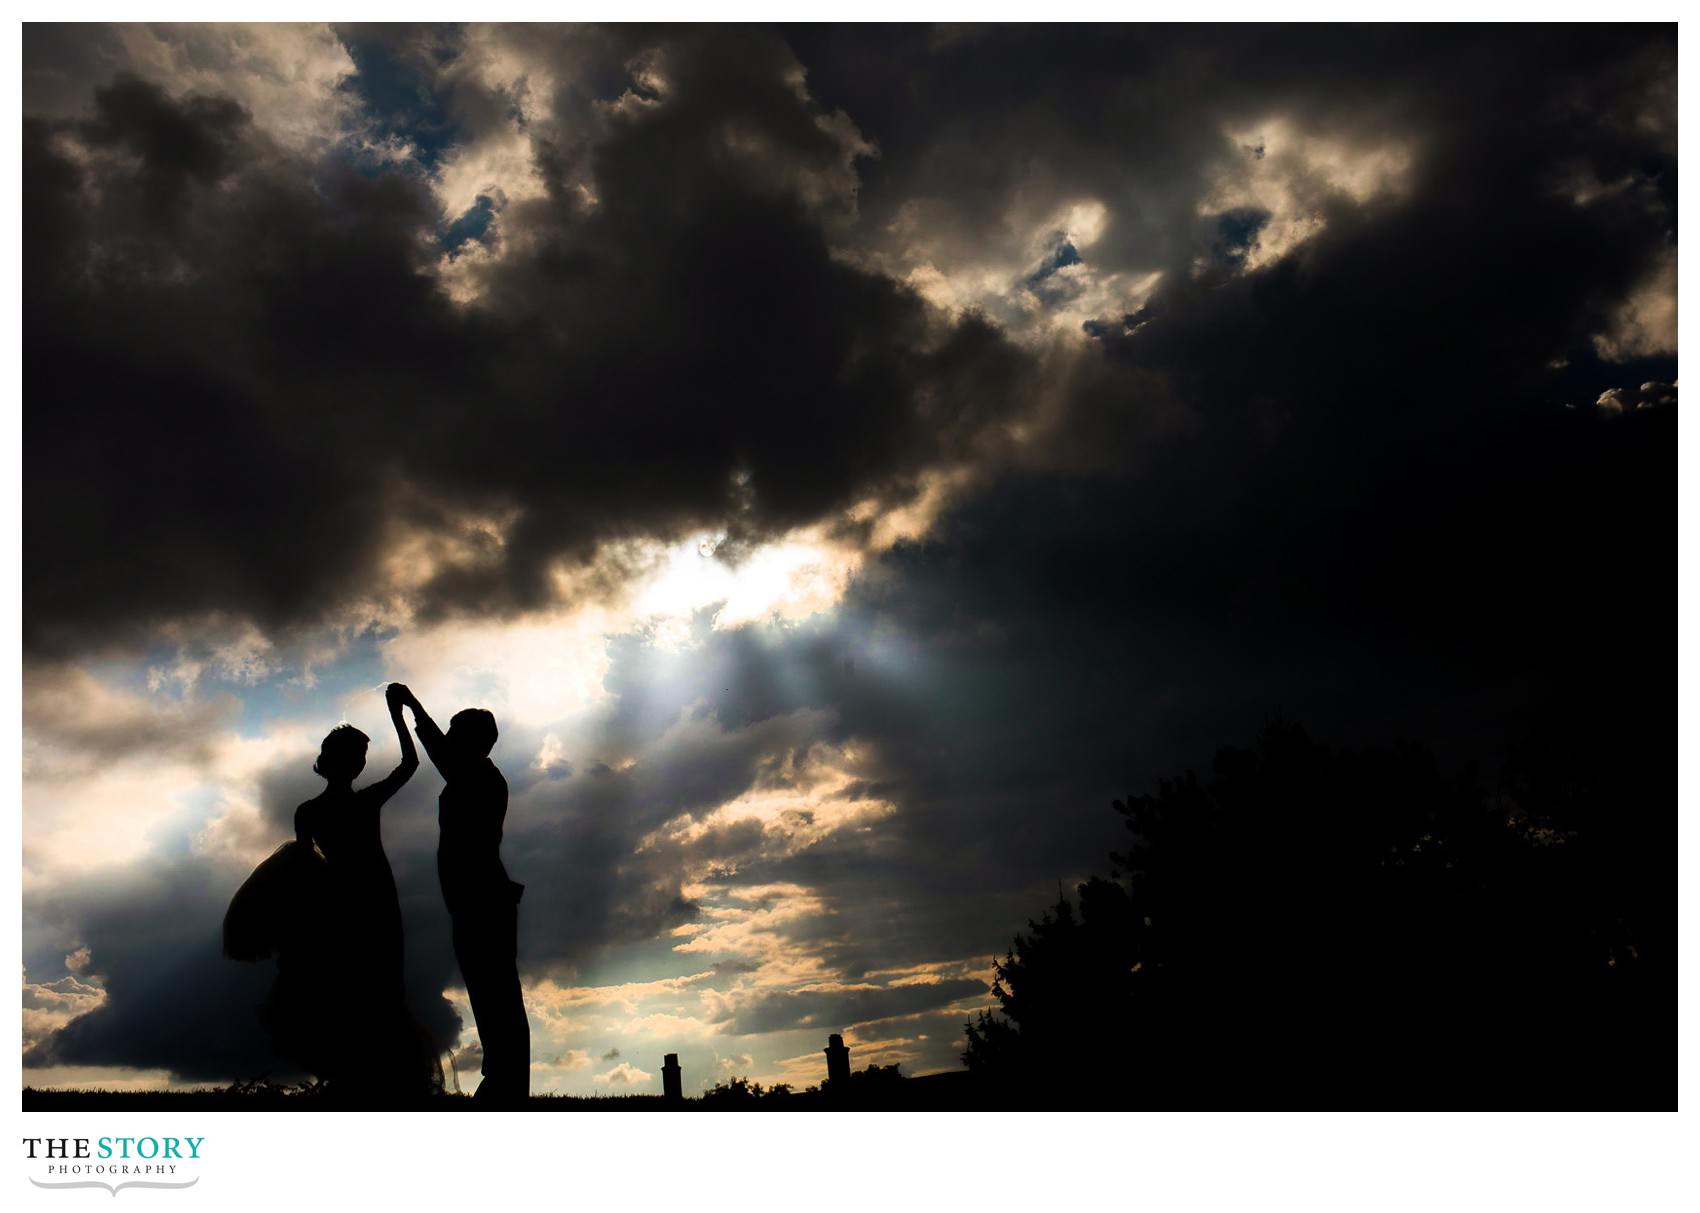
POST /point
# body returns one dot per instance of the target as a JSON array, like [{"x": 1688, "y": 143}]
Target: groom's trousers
[{"x": 486, "y": 942}]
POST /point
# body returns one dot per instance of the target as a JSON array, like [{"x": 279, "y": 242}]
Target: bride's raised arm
[{"x": 395, "y": 695}]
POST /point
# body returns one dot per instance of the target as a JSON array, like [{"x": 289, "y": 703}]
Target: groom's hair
[{"x": 474, "y": 729}]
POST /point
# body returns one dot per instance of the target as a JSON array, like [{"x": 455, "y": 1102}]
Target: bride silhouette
[{"x": 326, "y": 904}]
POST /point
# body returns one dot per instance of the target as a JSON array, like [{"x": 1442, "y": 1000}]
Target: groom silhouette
[{"x": 483, "y": 903}]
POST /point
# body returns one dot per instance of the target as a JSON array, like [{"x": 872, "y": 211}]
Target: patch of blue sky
[
  {"x": 1065, "y": 254},
  {"x": 399, "y": 98},
  {"x": 281, "y": 694},
  {"x": 403, "y": 107},
  {"x": 286, "y": 695},
  {"x": 1585, "y": 374},
  {"x": 1236, "y": 233},
  {"x": 45, "y": 947},
  {"x": 646, "y": 961},
  {"x": 474, "y": 225},
  {"x": 134, "y": 675}
]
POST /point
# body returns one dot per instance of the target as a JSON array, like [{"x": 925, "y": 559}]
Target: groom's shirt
[{"x": 469, "y": 822}]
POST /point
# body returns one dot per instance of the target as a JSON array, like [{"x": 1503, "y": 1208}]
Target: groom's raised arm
[{"x": 430, "y": 736}]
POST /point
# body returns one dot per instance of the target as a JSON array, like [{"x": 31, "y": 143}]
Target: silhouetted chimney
[
  {"x": 837, "y": 1061},
  {"x": 672, "y": 1088}
]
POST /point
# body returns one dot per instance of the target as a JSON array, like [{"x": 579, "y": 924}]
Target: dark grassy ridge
[
  {"x": 288, "y": 1099},
  {"x": 938, "y": 1092}
]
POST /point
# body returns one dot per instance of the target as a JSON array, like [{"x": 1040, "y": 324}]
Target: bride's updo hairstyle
[{"x": 342, "y": 755}]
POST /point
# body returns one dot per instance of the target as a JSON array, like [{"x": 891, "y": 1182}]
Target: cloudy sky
[{"x": 843, "y": 458}]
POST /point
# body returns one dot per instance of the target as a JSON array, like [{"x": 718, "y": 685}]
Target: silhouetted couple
[{"x": 327, "y": 905}]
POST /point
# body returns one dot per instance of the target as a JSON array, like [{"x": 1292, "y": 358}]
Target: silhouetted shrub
[{"x": 735, "y": 1093}]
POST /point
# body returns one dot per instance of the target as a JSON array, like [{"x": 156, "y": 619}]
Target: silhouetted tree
[
  {"x": 1310, "y": 927},
  {"x": 1059, "y": 988}
]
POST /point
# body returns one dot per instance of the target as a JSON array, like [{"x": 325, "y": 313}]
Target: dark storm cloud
[
  {"x": 1139, "y": 116},
  {"x": 153, "y": 943},
  {"x": 244, "y": 380}
]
